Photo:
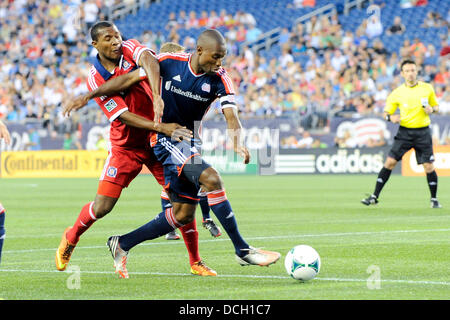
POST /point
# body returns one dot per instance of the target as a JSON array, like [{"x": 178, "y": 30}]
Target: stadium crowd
[{"x": 321, "y": 70}]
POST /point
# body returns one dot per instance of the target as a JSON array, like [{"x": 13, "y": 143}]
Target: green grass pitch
[{"x": 401, "y": 242}]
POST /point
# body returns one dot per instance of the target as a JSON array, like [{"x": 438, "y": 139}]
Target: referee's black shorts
[{"x": 417, "y": 138}]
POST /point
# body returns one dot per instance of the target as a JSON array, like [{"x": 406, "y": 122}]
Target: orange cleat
[
  {"x": 201, "y": 269},
  {"x": 64, "y": 252}
]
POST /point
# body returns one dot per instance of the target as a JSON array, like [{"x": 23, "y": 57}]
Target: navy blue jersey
[{"x": 187, "y": 95}]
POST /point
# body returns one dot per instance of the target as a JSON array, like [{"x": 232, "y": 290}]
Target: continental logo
[
  {"x": 62, "y": 163},
  {"x": 14, "y": 164}
]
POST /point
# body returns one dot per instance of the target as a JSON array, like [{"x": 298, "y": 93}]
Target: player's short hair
[
  {"x": 210, "y": 35},
  {"x": 95, "y": 30},
  {"x": 171, "y": 47},
  {"x": 405, "y": 62}
]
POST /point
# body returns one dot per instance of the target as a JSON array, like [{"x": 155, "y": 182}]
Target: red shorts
[{"x": 123, "y": 165}]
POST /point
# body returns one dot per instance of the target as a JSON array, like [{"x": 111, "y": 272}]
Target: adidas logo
[
  {"x": 230, "y": 215},
  {"x": 177, "y": 78}
]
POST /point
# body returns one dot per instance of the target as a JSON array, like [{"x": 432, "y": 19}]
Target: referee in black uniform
[{"x": 416, "y": 100}]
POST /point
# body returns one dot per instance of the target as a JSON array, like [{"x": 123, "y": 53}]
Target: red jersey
[{"x": 138, "y": 99}]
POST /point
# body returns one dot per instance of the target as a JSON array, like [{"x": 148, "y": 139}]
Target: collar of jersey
[
  {"x": 101, "y": 69},
  {"x": 192, "y": 70}
]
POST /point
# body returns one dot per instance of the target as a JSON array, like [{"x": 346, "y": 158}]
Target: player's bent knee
[
  {"x": 103, "y": 205},
  {"x": 184, "y": 213},
  {"x": 211, "y": 180}
]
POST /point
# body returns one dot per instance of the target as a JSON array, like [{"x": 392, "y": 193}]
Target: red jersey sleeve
[
  {"x": 112, "y": 106},
  {"x": 132, "y": 50}
]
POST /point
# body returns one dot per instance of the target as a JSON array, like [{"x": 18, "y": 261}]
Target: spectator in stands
[
  {"x": 203, "y": 21},
  {"x": 405, "y": 49},
  {"x": 91, "y": 12},
  {"x": 374, "y": 28},
  {"x": 338, "y": 61},
  {"x": 182, "y": 19},
  {"x": 241, "y": 33},
  {"x": 192, "y": 21},
  {"x": 433, "y": 20},
  {"x": 418, "y": 49},
  {"x": 306, "y": 141},
  {"x": 253, "y": 33},
  {"x": 443, "y": 76},
  {"x": 285, "y": 36},
  {"x": 445, "y": 48},
  {"x": 32, "y": 140},
  {"x": 348, "y": 109},
  {"x": 397, "y": 27},
  {"x": 214, "y": 20},
  {"x": 172, "y": 21}
]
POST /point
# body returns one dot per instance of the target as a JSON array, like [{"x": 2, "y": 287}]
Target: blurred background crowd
[{"x": 317, "y": 71}]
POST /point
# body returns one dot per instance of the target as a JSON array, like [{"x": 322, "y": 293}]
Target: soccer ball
[{"x": 302, "y": 263}]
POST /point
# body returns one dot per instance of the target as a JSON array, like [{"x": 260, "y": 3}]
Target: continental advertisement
[
  {"x": 441, "y": 162},
  {"x": 87, "y": 164},
  {"x": 52, "y": 164}
]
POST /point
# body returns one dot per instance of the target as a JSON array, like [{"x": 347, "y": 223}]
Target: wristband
[{"x": 388, "y": 117}]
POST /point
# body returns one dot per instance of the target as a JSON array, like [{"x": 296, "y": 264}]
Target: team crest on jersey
[
  {"x": 125, "y": 65},
  {"x": 110, "y": 105},
  {"x": 167, "y": 85},
  {"x": 206, "y": 87},
  {"x": 111, "y": 172}
]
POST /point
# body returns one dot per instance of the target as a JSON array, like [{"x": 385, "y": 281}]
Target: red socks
[
  {"x": 190, "y": 237},
  {"x": 85, "y": 219}
]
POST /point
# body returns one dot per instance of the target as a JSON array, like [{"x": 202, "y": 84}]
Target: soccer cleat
[
  {"x": 201, "y": 269},
  {"x": 370, "y": 200},
  {"x": 435, "y": 203},
  {"x": 64, "y": 252},
  {"x": 212, "y": 227},
  {"x": 258, "y": 257},
  {"x": 172, "y": 236},
  {"x": 119, "y": 256}
]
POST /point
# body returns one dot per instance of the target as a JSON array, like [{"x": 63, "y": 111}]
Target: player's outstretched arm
[
  {"x": 151, "y": 67},
  {"x": 4, "y": 133},
  {"x": 109, "y": 88},
  {"x": 234, "y": 131},
  {"x": 173, "y": 130}
]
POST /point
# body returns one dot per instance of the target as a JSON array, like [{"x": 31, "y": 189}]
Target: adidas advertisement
[{"x": 331, "y": 161}]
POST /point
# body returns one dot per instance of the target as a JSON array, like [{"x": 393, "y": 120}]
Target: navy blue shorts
[{"x": 182, "y": 165}]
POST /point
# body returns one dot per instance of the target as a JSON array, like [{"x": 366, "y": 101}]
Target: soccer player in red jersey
[
  {"x": 189, "y": 84},
  {"x": 132, "y": 126}
]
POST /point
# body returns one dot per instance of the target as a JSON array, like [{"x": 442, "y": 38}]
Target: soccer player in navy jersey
[
  {"x": 189, "y": 84},
  {"x": 131, "y": 114},
  {"x": 207, "y": 221}
]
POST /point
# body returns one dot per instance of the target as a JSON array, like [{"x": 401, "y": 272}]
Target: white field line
[
  {"x": 416, "y": 282},
  {"x": 294, "y": 236}
]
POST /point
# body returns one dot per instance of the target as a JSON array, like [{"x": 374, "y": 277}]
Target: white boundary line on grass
[
  {"x": 362, "y": 233},
  {"x": 418, "y": 282}
]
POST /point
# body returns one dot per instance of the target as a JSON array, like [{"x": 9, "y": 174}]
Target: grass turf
[{"x": 402, "y": 238}]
